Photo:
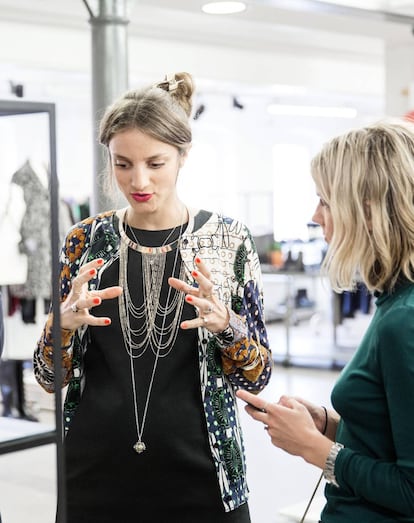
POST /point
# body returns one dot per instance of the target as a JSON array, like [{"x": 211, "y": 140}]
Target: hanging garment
[
  {"x": 13, "y": 262},
  {"x": 35, "y": 234}
]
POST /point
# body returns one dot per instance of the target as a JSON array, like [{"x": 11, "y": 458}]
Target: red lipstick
[{"x": 141, "y": 197}]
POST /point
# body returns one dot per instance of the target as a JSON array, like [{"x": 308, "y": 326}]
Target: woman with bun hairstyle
[{"x": 162, "y": 320}]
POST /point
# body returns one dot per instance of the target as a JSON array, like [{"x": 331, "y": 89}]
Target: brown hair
[{"x": 161, "y": 110}]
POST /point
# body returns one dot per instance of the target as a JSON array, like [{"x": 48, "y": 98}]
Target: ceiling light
[
  {"x": 223, "y": 8},
  {"x": 312, "y": 110}
]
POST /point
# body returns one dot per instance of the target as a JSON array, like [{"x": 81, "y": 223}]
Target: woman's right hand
[
  {"x": 75, "y": 310},
  {"x": 326, "y": 421},
  {"x": 290, "y": 426},
  {"x": 317, "y": 413}
]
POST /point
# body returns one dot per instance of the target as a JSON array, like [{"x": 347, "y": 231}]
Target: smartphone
[{"x": 255, "y": 408}]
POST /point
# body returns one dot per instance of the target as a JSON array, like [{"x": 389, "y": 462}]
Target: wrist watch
[{"x": 329, "y": 470}]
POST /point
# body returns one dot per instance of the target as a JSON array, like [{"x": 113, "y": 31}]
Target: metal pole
[
  {"x": 109, "y": 77},
  {"x": 56, "y": 332}
]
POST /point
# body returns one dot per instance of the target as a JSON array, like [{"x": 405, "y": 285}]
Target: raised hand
[
  {"x": 212, "y": 313},
  {"x": 75, "y": 311}
]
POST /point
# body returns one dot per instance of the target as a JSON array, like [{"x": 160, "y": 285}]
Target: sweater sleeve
[
  {"x": 389, "y": 483},
  {"x": 247, "y": 360},
  {"x": 43, "y": 355}
]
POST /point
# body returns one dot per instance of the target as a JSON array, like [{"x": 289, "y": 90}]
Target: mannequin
[
  {"x": 34, "y": 230},
  {"x": 35, "y": 244}
]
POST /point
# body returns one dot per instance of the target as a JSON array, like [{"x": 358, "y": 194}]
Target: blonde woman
[{"x": 365, "y": 447}]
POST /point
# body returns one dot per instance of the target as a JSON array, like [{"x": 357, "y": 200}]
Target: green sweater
[{"x": 375, "y": 399}]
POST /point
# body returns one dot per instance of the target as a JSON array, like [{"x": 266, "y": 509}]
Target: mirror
[{"x": 29, "y": 265}]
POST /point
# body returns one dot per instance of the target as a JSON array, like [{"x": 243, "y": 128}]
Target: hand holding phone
[{"x": 256, "y": 408}]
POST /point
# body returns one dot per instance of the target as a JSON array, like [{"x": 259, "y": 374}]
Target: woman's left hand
[
  {"x": 212, "y": 313},
  {"x": 290, "y": 426}
]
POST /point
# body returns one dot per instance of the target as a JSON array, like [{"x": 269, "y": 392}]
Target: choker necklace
[
  {"x": 160, "y": 339},
  {"x": 136, "y": 246}
]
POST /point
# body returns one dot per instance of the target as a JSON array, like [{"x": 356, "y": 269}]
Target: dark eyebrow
[
  {"x": 149, "y": 159},
  {"x": 156, "y": 157}
]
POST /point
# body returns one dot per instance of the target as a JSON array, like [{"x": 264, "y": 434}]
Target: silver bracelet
[
  {"x": 235, "y": 331},
  {"x": 329, "y": 470}
]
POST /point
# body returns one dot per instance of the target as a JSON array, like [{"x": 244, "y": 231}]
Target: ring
[
  {"x": 209, "y": 310},
  {"x": 208, "y": 296},
  {"x": 74, "y": 307}
]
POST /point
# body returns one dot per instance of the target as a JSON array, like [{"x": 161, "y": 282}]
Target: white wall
[
  {"x": 53, "y": 64},
  {"x": 66, "y": 49}
]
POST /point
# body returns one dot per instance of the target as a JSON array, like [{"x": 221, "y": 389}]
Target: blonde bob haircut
[{"x": 366, "y": 177}]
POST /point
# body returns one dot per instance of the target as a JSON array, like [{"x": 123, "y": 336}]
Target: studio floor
[{"x": 280, "y": 485}]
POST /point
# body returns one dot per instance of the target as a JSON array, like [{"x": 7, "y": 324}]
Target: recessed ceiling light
[{"x": 223, "y": 8}]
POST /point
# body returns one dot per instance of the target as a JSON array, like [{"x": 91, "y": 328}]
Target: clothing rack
[{"x": 10, "y": 108}]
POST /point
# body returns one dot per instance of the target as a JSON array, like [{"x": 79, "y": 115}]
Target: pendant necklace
[{"x": 153, "y": 268}]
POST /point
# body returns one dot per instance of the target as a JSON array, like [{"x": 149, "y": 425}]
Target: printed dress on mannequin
[
  {"x": 26, "y": 270},
  {"x": 35, "y": 237}
]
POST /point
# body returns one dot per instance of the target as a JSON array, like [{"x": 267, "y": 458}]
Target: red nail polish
[
  {"x": 96, "y": 301},
  {"x": 195, "y": 274},
  {"x": 92, "y": 272},
  {"x": 189, "y": 298},
  {"x": 198, "y": 260},
  {"x": 100, "y": 261},
  {"x": 107, "y": 322}
]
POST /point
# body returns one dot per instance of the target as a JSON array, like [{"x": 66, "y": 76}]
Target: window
[{"x": 293, "y": 190}]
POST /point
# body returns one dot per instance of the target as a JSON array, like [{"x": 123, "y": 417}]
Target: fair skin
[
  {"x": 293, "y": 424},
  {"x": 212, "y": 314},
  {"x": 323, "y": 217},
  {"x": 146, "y": 172}
]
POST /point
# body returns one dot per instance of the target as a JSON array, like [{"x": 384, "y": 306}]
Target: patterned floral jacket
[{"x": 226, "y": 246}]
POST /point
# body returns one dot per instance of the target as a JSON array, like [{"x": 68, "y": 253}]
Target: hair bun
[{"x": 181, "y": 87}]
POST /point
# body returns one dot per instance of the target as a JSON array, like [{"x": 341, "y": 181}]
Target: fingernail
[
  {"x": 189, "y": 298},
  {"x": 107, "y": 322},
  {"x": 194, "y": 274},
  {"x": 92, "y": 272},
  {"x": 100, "y": 261},
  {"x": 184, "y": 325},
  {"x": 96, "y": 301},
  {"x": 198, "y": 260}
]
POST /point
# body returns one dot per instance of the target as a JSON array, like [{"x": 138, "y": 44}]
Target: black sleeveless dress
[{"x": 174, "y": 479}]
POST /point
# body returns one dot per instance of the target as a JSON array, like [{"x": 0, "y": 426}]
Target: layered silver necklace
[{"x": 160, "y": 339}]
